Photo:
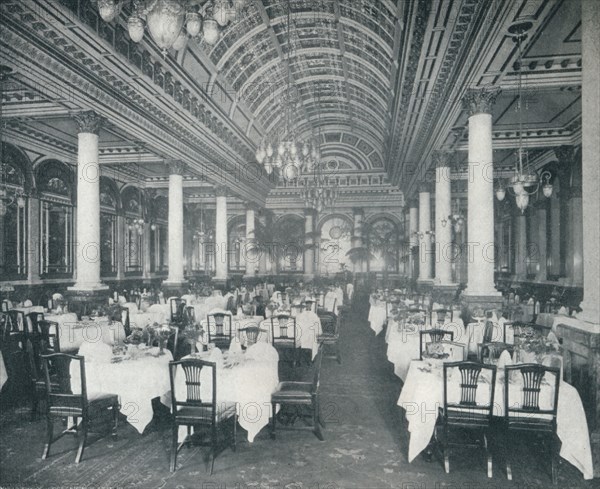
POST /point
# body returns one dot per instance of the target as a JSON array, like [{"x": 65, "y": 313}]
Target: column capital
[
  {"x": 88, "y": 122},
  {"x": 358, "y": 211},
  {"x": 308, "y": 212},
  {"x": 424, "y": 187},
  {"x": 480, "y": 100},
  {"x": 413, "y": 203},
  {"x": 251, "y": 206},
  {"x": 175, "y": 167},
  {"x": 565, "y": 154},
  {"x": 220, "y": 191},
  {"x": 442, "y": 158}
]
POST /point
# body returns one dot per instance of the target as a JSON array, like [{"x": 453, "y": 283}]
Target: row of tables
[{"x": 422, "y": 390}]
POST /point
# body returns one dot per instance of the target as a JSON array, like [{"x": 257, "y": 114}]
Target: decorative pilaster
[
  {"x": 414, "y": 239},
  {"x": 221, "y": 254},
  {"x": 357, "y": 237},
  {"x": 542, "y": 236},
  {"x": 425, "y": 245},
  {"x": 88, "y": 205},
  {"x": 33, "y": 251},
  {"x": 480, "y": 220},
  {"x": 175, "y": 228},
  {"x": 443, "y": 225}
]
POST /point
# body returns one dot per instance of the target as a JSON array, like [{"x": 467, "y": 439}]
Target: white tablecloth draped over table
[
  {"x": 422, "y": 395},
  {"x": 3, "y": 374},
  {"x": 308, "y": 329},
  {"x": 246, "y": 379},
  {"x": 73, "y": 333},
  {"x": 136, "y": 381},
  {"x": 377, "y": 316},
  {"x": 403, "y": 342}
]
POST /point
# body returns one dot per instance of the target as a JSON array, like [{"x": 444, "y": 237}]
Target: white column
[
  {"x": 309, "y": 252},
  {"x": 480, "y": 220},
  {"x": 590, "y": 43},
  {"x": 520, "y": 233},
  {"x": 249, "y": 254},
  {"x": 221, "y": 254},
  {"x": 413, "y": 240},
  {"x": 425, "y": 246},
  {"x": 88, "y": 204},
  {"x": 443, "y": 226},
  {"x": 176, "y": 277},
  {"x": 542, "y": 237}
]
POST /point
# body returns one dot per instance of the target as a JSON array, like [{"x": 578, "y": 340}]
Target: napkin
[
  {"x": 530, "y": 301},
  {"x": 27, "y": 303},
  {"x": 563, "y": 311},
  {"x": 503, "y": 360}
]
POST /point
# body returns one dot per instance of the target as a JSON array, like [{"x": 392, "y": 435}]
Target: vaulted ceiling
[{"x": 380, "y": 82}]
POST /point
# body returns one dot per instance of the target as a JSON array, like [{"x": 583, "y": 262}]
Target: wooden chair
[
  {"x": 435, "y": 336},
  {"x": 470, "y": 412},
  {"x": 220, "y": 329},
  {"x": 189, "y": 316},
  {"x": 283, "y": 336},
  {"x": 489, "y": 350},
  {"x": 330, "y": 325},
  {"x": 198, "y": 410},
  {"x": 176, "y": 307},
  {"x": 299, "y": 396},
  {"x": 252, "y": 334},
  {"x": 524, "y": 414},
  {"x": 15, "y": 330},
  {"x": 310, "y": 305},
  {"x": 34, "y": 378},
  {"x": 49, "y": 332},
  {"x": 62, "y": 403}
]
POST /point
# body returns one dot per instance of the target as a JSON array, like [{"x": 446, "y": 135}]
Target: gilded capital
[
  {"x": 480, "y": 100},
  {"x": 220, "y": 191},
  {"x": 88, "y": 122},
  {"x": 176, "y": 167},
  {"x": 424, "y": 187}
]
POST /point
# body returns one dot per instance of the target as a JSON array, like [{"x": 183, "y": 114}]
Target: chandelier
[
  {"x": 524, "y": 183},
  {"x": 319, "y": 191},
  {"x": 284, "y": 150},
  {"x": 166, "y": 19}
]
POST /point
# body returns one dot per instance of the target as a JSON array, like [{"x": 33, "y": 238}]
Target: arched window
[
  {"x": 236, "y": 238},
  {"x": 383, "y": 241},
  {"x": 56, "y": 186},
  {"x": 13, "y": 213},
  {"x": 335, "y": 242},
  {"x": 289, "y": 244},
  {"x": 133, "y": 200},
  {"x": 159, "y": 234},
  {"x": 108, "y": 227}
]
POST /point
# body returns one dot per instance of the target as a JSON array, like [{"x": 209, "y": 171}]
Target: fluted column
[
  {"x": 480, "y": 220},
  {"x": 413, "y": 240},
  {"x": 175, "y": 277},
  {"x": 443, "y": 226},
  {"x": 250, "y": 254},
  {"x": 520, "y": 232},
  {"x": 33, "y": 243},
  {"x": 221, "y": 255},
  {"x": 309, "y": 252},
  {"x": 541, "y": 245},
  {"x": 88, "y": 205},
  {"x": 425, "y": 246}
]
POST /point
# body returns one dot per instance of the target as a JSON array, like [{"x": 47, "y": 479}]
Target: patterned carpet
[{"x": 366, "y": 443}]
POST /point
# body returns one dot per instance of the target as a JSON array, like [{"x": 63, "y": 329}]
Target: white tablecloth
[
  {"x": 143, "y": 319},
  {"x": 243, "y": 380},
  {"x": 3, "y": 374},
  {"x": 403, "y": 343},
  {"x": 72, "y": 334},
  {"x": 377, "y": 316},
  {"x": 308, "y": 329},
  {"x": 422, "y": 395},
  {"x": 136, "y": 382}
]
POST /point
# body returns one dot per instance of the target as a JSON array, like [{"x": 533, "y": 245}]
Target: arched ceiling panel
[{"x": 340, "y": 66}]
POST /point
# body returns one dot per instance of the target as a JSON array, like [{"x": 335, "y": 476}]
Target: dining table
[
  {"x": 377, "y": 314},
  {"x": 422, "y": 397},
  {"x": 73, "y": 333},
  {"x": 403, "y": 340},
  {"x": 244, "y": 378},
  {"x": 137, "y": 374}
]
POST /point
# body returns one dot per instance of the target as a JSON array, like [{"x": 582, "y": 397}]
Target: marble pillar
[
  {"x": 221, "y": 254},
  {"x": 309, "y": 252},
  {"x": 175, "y": 228},
  {"x": 425, "y": 241},
  {"x": 443, "y": 223}
]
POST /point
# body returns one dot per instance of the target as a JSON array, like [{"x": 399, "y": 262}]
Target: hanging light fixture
[
  {"x": 456, "y": 219},
  {"x": 283, "y": 150},
  {"x": 524, "y": 182},
  {"x": 172, "y": 22}
]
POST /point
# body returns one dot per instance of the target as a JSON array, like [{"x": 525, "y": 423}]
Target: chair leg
[
  {"x": 490, "y": 468},
  {"x": 554, "y": 444},
  {"x": 174, "y": 434},
  {"x": 338, "y": 355},
  {"x": 213, "y": 449},
  {"x": 49, "y": 431},
  {"x": 446, "y": 450},
  {"x": 235, "y": 422},
  {"x": 115, "y": 410},
  {"x": 317, "y": 424},
  {"x": 34, "y": 406},
  {"x": 273, "y": 415},
  {"x": 82, "y": 440}
]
